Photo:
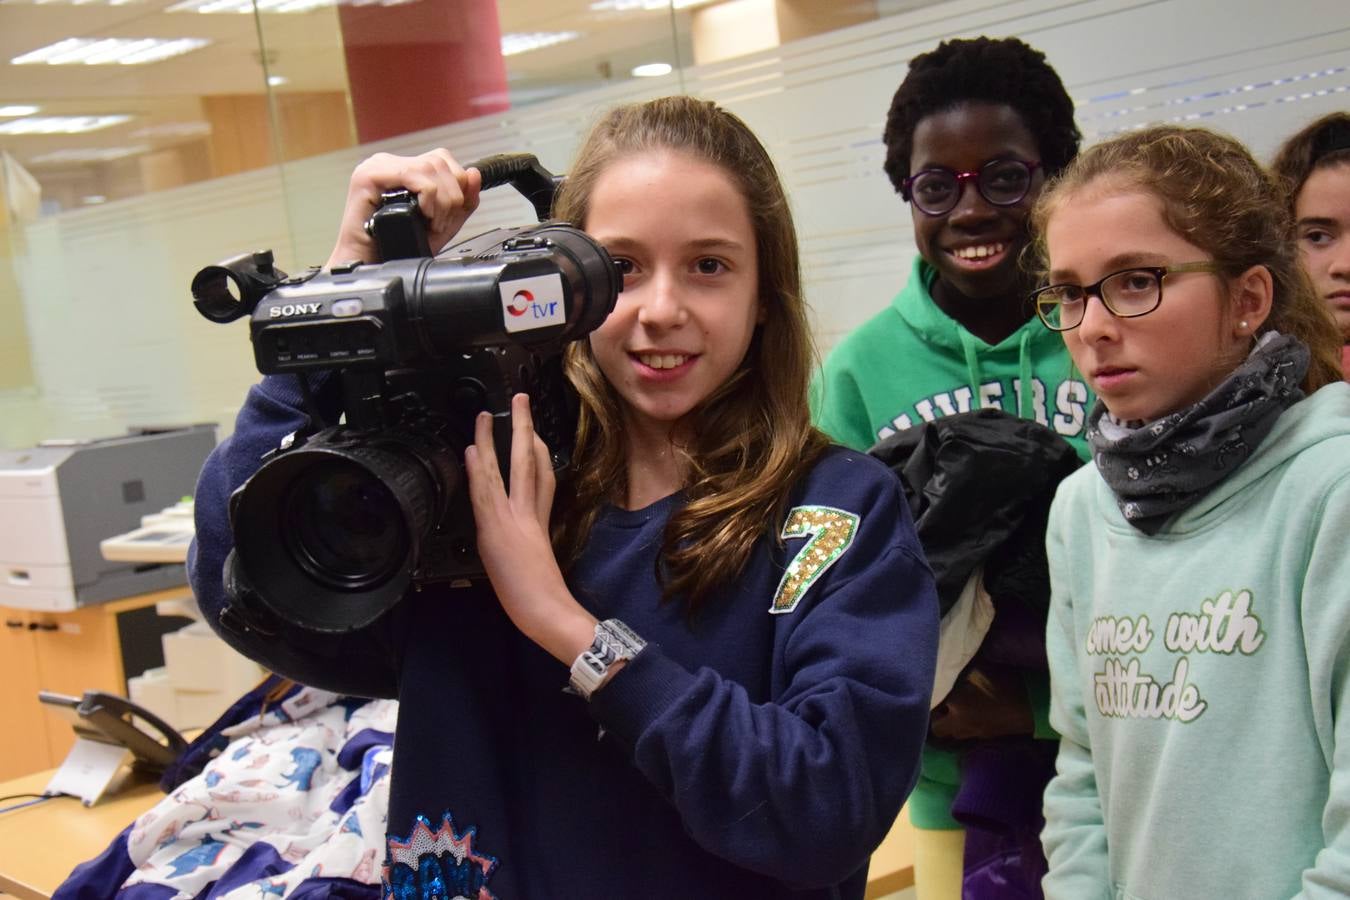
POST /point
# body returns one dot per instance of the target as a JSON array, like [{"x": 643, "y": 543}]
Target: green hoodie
[
  {"x": 912, "y": 363},
  {"x": 1201, "y": 680}
]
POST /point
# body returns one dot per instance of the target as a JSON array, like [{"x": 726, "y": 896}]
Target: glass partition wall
[{"x": 143, "y": 139}]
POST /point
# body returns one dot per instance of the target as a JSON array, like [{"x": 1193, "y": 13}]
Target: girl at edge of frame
[
  {"x": 1314, "y": 165},
  {"x": 1198, "y": 641},
  {"x": 778, "y": 617}
]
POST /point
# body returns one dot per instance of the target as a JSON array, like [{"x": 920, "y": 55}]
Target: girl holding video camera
[
  {"x": 747, "y": 617},
  {"x": 1199, "y": 628}
]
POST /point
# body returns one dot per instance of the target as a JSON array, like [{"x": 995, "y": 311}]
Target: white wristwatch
[{"x": 613, "y": 641}]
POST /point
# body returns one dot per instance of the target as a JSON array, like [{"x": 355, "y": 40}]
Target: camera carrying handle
[
  {"x": 524, "y": 173},
  {"x": 400, "y": 231}
]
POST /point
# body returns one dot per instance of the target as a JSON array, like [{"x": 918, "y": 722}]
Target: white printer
[{"x": 59, "y": 499}]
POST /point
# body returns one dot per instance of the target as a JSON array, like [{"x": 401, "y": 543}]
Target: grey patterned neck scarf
[{"x": 1159, "y": 468}]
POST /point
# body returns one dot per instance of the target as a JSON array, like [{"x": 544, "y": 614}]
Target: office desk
[
  {"x": 892, "y": 866},
  {"x": 40, "y": 845}
]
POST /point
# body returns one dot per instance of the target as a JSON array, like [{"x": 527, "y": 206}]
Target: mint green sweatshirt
[
  {"x": 1200, "y": 680},
  {"x": 912, "y": 363}
]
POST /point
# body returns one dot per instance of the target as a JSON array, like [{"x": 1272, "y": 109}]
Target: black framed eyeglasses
[
  {"x": 1125, "y": 294},
  {"x": 1001, "y": 182}
]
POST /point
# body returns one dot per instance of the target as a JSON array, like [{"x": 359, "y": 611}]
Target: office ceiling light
[
  {"x": 525, "y": 41},
  {"x": 246, "y": 7},
  {"x": 86, "y": 155},
  {"x": 643, "y": 5},
  {"x": 60, "y": 124},
  {"x": 212, "y": 7},
  {"x": 651, "y": 70},
  {"x": 277, "y": 80},
  {"x": 17, "y": 110},
  {"x": 171, "y": 130},
  {"x": 109, "y": 51},
  {"x": 67, "y": 2}
]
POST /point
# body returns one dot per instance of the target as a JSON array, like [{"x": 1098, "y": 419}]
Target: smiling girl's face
[
  {"x": 681, "y": 229},
  {"x": 975, "y": 246}
]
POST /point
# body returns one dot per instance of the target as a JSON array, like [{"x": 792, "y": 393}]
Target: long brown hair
[
  {"x": 1217, "y": 197},
  {"x": 752, "y": 439},
  {"x": 1321, "y": 144}
]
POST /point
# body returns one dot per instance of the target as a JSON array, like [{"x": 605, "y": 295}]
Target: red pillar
[{"x": 422, "y": 64}]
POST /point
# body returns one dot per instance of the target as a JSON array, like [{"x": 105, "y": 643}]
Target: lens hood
[{"x": 329, "y": 534}]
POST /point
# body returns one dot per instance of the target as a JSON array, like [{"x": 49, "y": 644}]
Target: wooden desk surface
[
  {"x": 892, "y": 866},
  {"x": 40, "y": 845}
]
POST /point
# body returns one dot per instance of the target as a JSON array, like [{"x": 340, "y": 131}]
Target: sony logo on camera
[{"x": 293, "y": 309}]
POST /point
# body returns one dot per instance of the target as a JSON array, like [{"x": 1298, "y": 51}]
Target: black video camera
[{"x": 342, "y": 519}]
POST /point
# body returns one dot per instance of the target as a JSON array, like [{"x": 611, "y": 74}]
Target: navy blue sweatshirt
[{"x": 761, "y": 749}]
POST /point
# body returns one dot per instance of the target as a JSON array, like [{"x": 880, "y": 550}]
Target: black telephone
[{"x": 108, "y": 719}]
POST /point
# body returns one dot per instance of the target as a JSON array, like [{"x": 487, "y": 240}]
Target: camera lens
[
  {"x": 344, "y": 526},
  {"x": 328, "y": 534}
]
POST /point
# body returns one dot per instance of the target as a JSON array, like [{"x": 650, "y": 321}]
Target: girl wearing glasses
[
  {"x": 973, "y": 132},
  {"x": 1200, "y": 629}
]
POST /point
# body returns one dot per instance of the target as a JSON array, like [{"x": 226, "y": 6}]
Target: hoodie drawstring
[
  {"x": 972, "y": 365},
  {"x": 1027, "y": 391}
]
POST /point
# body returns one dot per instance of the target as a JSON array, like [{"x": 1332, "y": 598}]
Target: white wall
[{"x": 105, "y": 290}]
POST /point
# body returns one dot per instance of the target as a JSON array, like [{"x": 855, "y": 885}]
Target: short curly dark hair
[{"x": 983, "y": 70}]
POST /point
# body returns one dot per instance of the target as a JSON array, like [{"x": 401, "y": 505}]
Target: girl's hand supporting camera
[
  {"x": 513, "y": 537},
  {"x": 447, "y": 194}
]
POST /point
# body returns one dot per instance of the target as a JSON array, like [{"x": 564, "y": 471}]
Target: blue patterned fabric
[{"x": 290, "y": 801}]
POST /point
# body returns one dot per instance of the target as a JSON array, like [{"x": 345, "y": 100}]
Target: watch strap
[{"x": 613, "y": 641}]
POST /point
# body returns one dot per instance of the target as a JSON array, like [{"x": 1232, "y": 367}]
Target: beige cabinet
[
  {"x": 68, "y": 653},
  {"x": 24, "y": 748}
]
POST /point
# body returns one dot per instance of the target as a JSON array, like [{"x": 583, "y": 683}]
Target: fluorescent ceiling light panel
[
  {"x": 524, "y": 42},
  {"x": 642, "y": 5},
  {"x": 68, "y": 2},
  {"x": 171, "y": 130},
  {"x": 60, "y": 124},
  {"x": 245, "y": 7},
  {"x": 651, "y": 70},
  {"x": 17, "y": 110},
  {"x": 109, "y": 51},
  {"x": 90, "y": 155}
]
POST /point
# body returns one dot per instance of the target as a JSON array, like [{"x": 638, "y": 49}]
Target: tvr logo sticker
[
  {"x": 520, "y": 303},
  {"x": 529, "y": 303}
]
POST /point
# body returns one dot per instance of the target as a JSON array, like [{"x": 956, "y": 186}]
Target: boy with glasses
[{"x": 974, "y": 130}]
